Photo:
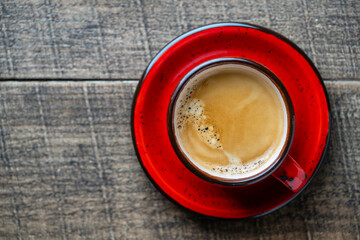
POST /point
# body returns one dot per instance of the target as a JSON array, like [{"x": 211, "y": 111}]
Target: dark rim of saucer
[
  {"x": 290, "y": 130},
  {"x": 199, "y": 29}
]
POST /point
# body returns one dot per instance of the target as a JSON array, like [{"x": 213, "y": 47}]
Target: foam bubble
[{"x": 192, "y": 111}]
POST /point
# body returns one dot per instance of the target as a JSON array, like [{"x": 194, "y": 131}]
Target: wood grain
[
  {"x": 68, "y": 171},
  {"x": 116, "y": 39}
]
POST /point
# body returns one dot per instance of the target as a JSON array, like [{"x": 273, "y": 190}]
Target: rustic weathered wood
[
  {"x": 68, "y": 171},
  {"x": 116, "y": 39},
  {"x": 67, "y": 166}
]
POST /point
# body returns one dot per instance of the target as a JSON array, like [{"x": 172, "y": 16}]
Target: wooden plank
[
  {"x": 116, "y": 39},
  {"x": 68, "y": 170}
]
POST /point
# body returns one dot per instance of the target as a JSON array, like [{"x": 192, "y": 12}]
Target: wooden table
[{"x": 68, "y": 168}]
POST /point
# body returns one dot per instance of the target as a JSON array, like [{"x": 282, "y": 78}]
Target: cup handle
[{"x": 291, "y": 174}]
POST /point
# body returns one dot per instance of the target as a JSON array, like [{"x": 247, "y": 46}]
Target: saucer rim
[{"x": 206, "y": 27}]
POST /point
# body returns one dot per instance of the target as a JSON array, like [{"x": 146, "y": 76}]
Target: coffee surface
[{"x": 230, "y": 122}]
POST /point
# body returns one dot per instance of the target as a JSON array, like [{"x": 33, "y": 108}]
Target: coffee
[{"x": 231, "y": 121}]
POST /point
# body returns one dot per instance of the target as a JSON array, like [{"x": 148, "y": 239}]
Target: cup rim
[{"x": 215, "y": 179}]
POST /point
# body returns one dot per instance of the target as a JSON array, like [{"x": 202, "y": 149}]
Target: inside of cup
[{"x": 248, "y": 171}]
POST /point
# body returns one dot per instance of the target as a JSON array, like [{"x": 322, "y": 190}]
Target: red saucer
[{"x": 149, "y": 130}]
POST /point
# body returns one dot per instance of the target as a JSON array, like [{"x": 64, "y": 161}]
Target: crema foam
[{"x": 231, "y": 121}]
